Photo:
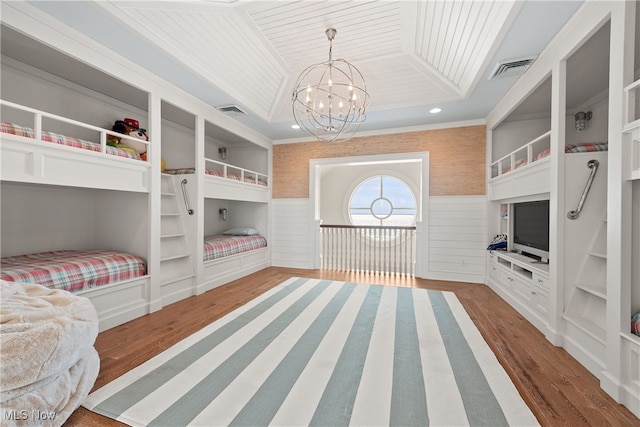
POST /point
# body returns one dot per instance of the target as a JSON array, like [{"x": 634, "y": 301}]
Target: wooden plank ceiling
[{"x": 409, "y": 51}]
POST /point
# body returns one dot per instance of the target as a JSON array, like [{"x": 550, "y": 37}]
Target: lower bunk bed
[
  {"x": 116, "y": 282},
  {"x": 232, "y": 255}
]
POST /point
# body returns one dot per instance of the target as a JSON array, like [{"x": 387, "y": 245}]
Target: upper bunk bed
[
  {"x": 34, "y": 154},
  {"x": 523, "y": 142},
  {"x": 526, "y": 170},
  {"x": 229, "y": 182},
  {"x": 57, "y": 118},
  {"x": 232, "y": 167}
]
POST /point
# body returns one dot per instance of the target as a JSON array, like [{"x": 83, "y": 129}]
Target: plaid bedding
[
  {"x": 18, "y": 130},
  {"x": 186, "y": 171},
  {"x": 218, "y": 246},
  {"x": 586, "y": 147},
  {"x": 72, "y": 270}
]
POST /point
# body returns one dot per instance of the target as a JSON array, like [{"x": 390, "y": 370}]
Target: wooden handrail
[{"x": 377, "y": 227}]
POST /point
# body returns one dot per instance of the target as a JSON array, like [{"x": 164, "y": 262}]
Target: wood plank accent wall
[{"x": 457, "y": 159}]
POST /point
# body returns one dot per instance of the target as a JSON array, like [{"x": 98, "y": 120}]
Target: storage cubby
[{"x": 178, "y": 136}]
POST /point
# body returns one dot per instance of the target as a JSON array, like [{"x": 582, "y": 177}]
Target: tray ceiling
[
  {"x": 409, "y": 51},
  {"x": 414, "y": 54}
]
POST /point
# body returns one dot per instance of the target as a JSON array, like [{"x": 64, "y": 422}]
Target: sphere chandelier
[{"x": 330, "y": 98}]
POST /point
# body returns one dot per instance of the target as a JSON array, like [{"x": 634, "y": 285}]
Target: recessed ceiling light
[
  {"x": 295, "y": 127},
  {"x": 435, "y": 110}
]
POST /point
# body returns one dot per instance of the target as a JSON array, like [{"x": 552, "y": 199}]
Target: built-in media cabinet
[{"x": 522, "y": 282}]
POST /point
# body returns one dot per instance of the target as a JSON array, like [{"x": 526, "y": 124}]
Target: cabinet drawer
[
  {"x": 541, "y": 282},
  {"x": 523, "y": 287},
  {"x": 504, "y": 277},
  {"x": 540, "y": 299},
  {"x": 492, "y": 269}
]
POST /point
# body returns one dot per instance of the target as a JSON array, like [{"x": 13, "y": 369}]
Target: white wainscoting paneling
[
  {"x": 291, "y": 242},
  {"x": 457, "y": 238}
]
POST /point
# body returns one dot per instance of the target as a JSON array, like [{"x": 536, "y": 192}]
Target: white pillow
[{"x": 241, "y": 231}]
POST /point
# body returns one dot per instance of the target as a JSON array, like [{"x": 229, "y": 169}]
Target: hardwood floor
[{"x": 558, "y": 389}]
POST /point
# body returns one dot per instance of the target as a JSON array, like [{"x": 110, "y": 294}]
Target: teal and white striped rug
[{"x": 326, "y": 353}]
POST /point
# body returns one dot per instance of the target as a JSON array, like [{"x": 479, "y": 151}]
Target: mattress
[
  {"x": 235, "y": 177},
  {"x": 18, "y": 130},
  {"x": 72, "y": 270},
  {"x": 222, "y": 245}
]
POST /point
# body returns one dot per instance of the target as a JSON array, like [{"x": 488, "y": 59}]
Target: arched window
[{"x": 383, "y": 200}]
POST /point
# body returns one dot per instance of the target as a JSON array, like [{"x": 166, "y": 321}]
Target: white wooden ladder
[
  {"x": 587, "y": 307},
  {"x": 176, "y": 258}
]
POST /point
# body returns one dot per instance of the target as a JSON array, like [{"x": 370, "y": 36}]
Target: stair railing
[{"x": 593, "y": 165}]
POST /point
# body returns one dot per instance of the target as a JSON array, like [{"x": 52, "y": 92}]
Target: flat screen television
[{"x": 531, "y": 228}]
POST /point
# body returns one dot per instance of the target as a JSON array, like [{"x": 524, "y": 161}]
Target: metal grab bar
[
  {"x": 593, "y": 165},
  {"x": 184, "y": 195}
]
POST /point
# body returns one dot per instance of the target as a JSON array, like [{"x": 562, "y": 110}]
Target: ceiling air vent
[
  {"x": 232, "y": 109},
  {"x": 512, "y": 67}
]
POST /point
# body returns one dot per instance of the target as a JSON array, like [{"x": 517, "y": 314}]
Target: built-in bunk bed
[
  {"x": 588, "y": 301},
  {"x": 224, "y": 208},
  {"x": 526, "y": 169},
  {"x": 74, "y": 209}
]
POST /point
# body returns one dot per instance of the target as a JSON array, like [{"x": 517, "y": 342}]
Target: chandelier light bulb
[{"x": 343, "y": 89}]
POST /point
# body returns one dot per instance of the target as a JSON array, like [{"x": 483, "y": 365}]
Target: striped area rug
[{"x": 325, "y": 353}]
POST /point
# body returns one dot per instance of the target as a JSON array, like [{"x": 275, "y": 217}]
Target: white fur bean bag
[{"x": 48, "y": 363}]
